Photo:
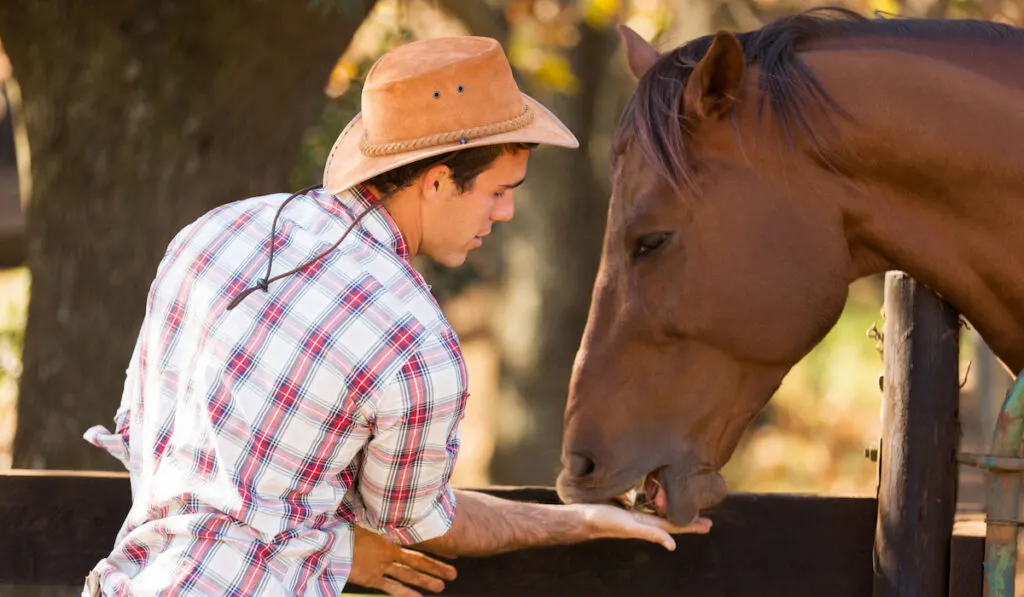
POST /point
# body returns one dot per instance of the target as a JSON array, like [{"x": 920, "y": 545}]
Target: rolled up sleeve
[{"x": 405, "y": 482}]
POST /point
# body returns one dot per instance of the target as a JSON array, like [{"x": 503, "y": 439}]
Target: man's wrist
[{"x": 590, "y": 524}]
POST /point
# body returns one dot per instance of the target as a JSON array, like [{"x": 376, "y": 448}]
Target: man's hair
[{"x": 465, "y": 164}]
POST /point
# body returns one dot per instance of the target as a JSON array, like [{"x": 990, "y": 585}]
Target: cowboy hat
[{"x": 434, "y": 96}]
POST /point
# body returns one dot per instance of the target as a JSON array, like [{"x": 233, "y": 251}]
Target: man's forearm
[{"x": 486, "y": 525}]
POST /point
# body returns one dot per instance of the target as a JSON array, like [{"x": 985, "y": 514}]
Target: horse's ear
[
  {"x": 640, "y": 55},
  {"x": 715, "y": 82}
]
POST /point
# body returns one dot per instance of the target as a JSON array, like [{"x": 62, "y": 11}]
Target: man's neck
[{"x": 404, "y": 209}]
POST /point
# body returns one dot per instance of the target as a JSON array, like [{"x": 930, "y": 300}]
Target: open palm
[{"x": 615, "y": 522}]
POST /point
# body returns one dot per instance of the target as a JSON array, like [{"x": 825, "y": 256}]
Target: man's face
[{"x": 455, "y": 223}]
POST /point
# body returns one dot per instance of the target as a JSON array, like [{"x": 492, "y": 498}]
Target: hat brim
[{"x": 347, "y": 166}]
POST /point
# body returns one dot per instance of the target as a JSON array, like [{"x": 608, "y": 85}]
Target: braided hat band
[{"x": 460, "y": 136}]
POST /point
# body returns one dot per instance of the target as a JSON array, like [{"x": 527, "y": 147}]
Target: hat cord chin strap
[{"x": 264, "y": 282}]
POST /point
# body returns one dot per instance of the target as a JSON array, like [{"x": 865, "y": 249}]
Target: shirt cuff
[
  {"x": 114, "y": 443},
  {"x": 435, "y": 523}
]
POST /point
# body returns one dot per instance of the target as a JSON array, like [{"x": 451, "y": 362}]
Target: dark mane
[{"x": 786, "y": 83}]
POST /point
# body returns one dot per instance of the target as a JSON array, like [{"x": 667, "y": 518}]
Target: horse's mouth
[
  {"x": 676, "y": 493},
  {"x": 677, "y": 498},
  {"x": 647, "y": 495}
]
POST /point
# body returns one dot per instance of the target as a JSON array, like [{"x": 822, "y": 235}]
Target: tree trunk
[
  {"x": 552, "y": 250},
  {"x": 141, "y": 117}
]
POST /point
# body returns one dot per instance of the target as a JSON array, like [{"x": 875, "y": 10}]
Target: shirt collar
[{"x": 378, "y": 223}]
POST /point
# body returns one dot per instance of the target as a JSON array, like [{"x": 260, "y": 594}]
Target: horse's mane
[{"x": 785, "y": 82}]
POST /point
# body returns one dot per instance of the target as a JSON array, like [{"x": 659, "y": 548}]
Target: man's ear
[
  {"x": 640, "y": 55},
  {"x": 435, "y": 180},
  {"x": 716, "y": 81}
]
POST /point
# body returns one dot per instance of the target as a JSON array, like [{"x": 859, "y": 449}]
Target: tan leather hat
[{"x": 433, "y": 96}]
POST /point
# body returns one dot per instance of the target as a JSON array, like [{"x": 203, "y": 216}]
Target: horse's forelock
[{"x": 653, "y": 120}]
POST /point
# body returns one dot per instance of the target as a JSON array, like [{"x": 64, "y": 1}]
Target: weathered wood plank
[
  {"x": 56, "y": 526},
  {"x": 917, "y": 490},
  {"x": 764, "y": 545},
  {"x": 967, "y": 565}
]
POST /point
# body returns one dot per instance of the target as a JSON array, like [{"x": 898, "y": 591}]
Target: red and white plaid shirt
[{"x": 257, "y": 437}]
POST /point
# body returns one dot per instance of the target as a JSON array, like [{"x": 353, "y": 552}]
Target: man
[{"x": 292, "y": 407}]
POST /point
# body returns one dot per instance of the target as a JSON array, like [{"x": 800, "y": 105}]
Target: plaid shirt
[{"x": 255, "y": 438}]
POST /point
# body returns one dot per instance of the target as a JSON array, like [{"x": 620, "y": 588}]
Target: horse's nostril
[{"x": 580, "y": 466}]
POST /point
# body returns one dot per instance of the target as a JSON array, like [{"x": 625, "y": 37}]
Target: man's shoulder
[
  {"x": 394, "y": 293},
  {"x": 395, "y": 309},
  {"x": 227, "y": 214},
  {"x": 374, "y": 325}
]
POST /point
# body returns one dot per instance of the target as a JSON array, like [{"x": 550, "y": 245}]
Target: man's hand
[
  {"x": 380, "y": 564},
  {"x": 616, "y": 523}
]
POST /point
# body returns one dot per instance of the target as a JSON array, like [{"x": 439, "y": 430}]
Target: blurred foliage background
[{"x": 204, "y": 121}]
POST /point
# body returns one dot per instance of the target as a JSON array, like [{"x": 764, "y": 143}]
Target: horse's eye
[{"x": 648, "y": 243}]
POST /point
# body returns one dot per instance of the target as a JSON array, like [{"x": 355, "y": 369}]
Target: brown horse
[{"x": 754, "y": 177}]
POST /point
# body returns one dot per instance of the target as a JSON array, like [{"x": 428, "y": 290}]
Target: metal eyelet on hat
[
  {"x": 459, "y": 88},
  {"x": 437, "y": 94}
]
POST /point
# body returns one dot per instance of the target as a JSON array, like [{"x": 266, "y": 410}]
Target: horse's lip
[
  {"x": 594, "y": 491},
  {"x": 589, "y": 490},
  {"x": 698, "y": 490}
]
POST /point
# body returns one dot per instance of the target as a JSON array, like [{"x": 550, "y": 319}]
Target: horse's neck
[
  {"x": 939, "y": 157},
  {"x": 999, "y": 62}
]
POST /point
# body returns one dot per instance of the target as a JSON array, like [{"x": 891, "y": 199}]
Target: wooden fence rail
[{"x": 56, "y": 525}]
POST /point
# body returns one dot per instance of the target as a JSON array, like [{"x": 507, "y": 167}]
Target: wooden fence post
[{"x": 920, "y": 436}]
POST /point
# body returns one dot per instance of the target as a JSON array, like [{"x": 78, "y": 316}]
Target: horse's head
[{"x": 718, "y": 273}]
